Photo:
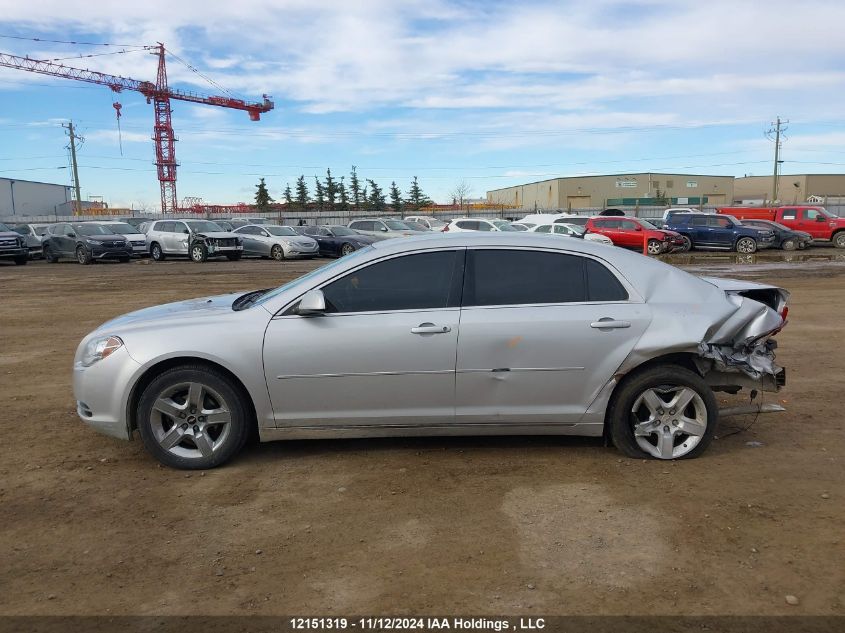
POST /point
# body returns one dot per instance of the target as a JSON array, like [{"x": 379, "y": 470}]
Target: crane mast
[{"x": 159, "y": 94}]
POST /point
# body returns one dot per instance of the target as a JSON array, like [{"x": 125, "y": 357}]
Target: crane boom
[{"x": 159, "y": 94}]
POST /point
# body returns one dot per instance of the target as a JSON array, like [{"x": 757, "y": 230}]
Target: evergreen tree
[
  {"x": 395, "y": 198},
  {"x": 320, "y": 195},
  {"x": 288, "y": 195},
  {"x": 355, "y": 188},
  {"x": 302, "y": 195},
  {"x": 262, "y": 196},
  {"x": 344, "y": 197},
  {"x": 331, "y": 189},
  {"x": 365, "y": 201},
  {"x": 416, "y": 198},
  {"x": 377, "y": 197}
]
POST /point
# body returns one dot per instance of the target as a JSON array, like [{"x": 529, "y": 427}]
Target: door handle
[
  {"x": 610, "y": 324},
  {"x": 430, "y": 328}
]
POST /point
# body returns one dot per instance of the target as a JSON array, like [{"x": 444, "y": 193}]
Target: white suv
[
  {"x": 131, "y": 234},
  {"x": 479, "y": 224},
  {"x": 197, "y": 239},
  {"x": 426, "y": 220}
]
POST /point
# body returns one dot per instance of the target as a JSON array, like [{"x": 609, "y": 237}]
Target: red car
[{"x": 634, "y": 232}]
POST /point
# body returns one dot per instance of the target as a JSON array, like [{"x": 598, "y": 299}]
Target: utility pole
[
  {"x": 77, "y": 209},
  {"x": 774, "y": 134}
]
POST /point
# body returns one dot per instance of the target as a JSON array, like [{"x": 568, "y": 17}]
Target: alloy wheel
[
  {"x": 190, "y": 420},
  {"x": 654, "y": 247},
  {"x": 669, "y": 421},
  {"x": 746, "y": 245},
  {"x": 277, "y": 253},
  {"x": 347, "y": 249}
]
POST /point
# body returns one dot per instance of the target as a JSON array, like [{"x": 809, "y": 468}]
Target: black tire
[
  {"x": 233, "y": 257},
  {"x": 234, "y": 399},
  {"x": 654, "y": 247},
  {"x": 839, "y": 239},
  {"x": 746, "y": 245},
  {"x": 277, "y": 252},
  {"x": 346, "y": 249},
  {"x": 688, "y": 246},
  {"x": 156, "y": 254},
  {"x": 198, "y": 253},
  {"x": 620, "y": 419},
  {"x": 83, "y": 256},
  {"x": 789, "y": 245},
  {"x": 21, "y": 261},
  {"x": 48, "y": 255},
  {"x": 124, "y": 260}
]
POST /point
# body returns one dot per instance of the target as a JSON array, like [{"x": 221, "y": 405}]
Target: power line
[{"x": 41, "y": 39}]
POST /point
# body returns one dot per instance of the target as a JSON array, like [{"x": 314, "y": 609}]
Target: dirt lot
[{"x": 92, "y": 525}]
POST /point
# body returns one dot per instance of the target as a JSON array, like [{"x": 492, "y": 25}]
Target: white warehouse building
[{"x": 28, "y": 198}]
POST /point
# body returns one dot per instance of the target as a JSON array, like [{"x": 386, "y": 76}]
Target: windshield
[
  {"x": 826, "y": 213},
  {"x": 91, "y": 229},
  {"x": 503, "y": 226},
  {"x": 280, "y": 230},
  {"x": 396, "y": 225},
  {"x": 520, "y": 227},
  {"x": 121, "y": 228},
  {"x": 3, "y": 227},
  {"x": 343, "y": 260},
  {"x": 202, "y": 226},
  {"x": 341, "y": 230}
]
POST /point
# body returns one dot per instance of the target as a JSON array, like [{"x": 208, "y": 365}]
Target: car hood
[
  {"x": 103, "y": 237},
  {"x": 201, "y": 308},
  {"x": 220, "y": 235},
  {"x": 8, "y": 234}
]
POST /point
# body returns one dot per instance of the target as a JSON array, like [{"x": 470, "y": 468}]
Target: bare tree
[{"x": 460, "y": 192}]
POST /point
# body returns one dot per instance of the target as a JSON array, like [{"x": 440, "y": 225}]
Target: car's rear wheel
[
  {"x": 82, "y": 255},
  {"x": 156, "y": 253},
  {"x": 49, "y": 256},
  {"x": 746, "y": 245},
  {"x": 789, "y": 245},
  {"x": 346, "y": 249},
  {"x": 664, "y": 412},
  {"x": 193, "y": 417},
  {"x": 654, "y": 247},
  {"x": 277, "y": 252},
  {"x": 687, "y": 244},
  {"x": 199, "y": 253}
]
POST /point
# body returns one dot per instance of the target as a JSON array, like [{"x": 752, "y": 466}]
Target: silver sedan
[
  {"x": 278, "y": 242},
  {"x": 457, "y": 334}
]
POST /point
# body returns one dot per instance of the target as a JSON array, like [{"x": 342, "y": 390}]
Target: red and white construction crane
[{"x": 159, "y": 94}]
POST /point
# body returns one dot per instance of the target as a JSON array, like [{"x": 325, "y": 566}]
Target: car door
[
  {"x": 251, "y": 245},
  {"x": 700, "y": 231},
  {"x": 611, "y": 229},
  {"x": 721, "y": 231},
  {"x": 382, "y": 354},
  {"x": 632, "y": 233},
  {"x": 809, "y": 223},
  {"x": 59, "y": 239},
  {"x": 541, "y": 334}
]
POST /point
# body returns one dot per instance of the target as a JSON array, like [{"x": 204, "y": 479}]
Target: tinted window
[
  {"x": 484, "y": 226},
  {"x": 502, "y": 277},
  {"x": 364, "y": 226},
  {"x": 543, "y": 229},
  {"x": 412, "y": 282},
  {"x": 699, "y": 220},
  {"x": 812, "y": 214},
  {"x": 722, "y": 223},
  {"x": 470, "y": 225},
  {"x": 607, "y": 224},
  {"x": 628, "y": 225},
  {"x": 602, "y": 285},
  {"x": 790, "y": 214}
]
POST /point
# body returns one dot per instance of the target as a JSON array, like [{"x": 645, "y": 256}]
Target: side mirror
[
  {"x": 186, "y": 231},
  {"x": 820, "y": 218},
  {"x": 384, "y": 229},
  {"x": 312, "y": 303},
  {"x": 71, "y": 234},
  {"x": 638, "y": 228}
]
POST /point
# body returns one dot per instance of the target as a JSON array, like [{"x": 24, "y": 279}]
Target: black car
[
  {"x": 785, "y": 237},
  {"x": 335, "y": 240},
  {"x": 85, "y": 242},
  {"x": 13, "y": 246}
]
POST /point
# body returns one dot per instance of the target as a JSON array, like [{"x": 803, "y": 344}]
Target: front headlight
[
  {"x": 91, "y": 242},
  {"x": 99, "y": 348}
]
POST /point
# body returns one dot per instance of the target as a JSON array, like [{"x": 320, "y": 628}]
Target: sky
[{"x": 486, "y": 92}]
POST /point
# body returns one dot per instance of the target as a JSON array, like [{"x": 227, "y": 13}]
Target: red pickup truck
[{"x": 817, "y": 221}]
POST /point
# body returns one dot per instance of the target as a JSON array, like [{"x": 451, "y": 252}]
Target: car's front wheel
[
  {"x": 193, "y": 417},
  {"x": 156, "y": 253},
  {"x": 789, "y": 245},
  {"x": 82, "y": 255},
  {"x": 746, "y": 245},
  {"x": 664, "y": 412},
  {"x": 687, "y": 246},
  {"x": 277, "y": 252},
  {"x": 654, "y": 247},
  {"x": 199, "y": 253},
  {"x": 21, "y": 261}
]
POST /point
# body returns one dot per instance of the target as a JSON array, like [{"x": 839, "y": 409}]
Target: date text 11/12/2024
[{"x": 415, "y": 624}]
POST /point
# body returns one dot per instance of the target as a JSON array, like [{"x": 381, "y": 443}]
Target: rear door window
[{"x": 470, "y": 225}]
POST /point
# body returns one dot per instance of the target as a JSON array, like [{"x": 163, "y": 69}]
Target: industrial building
[
  {"x": 584, "y": 192},
  {"x": 792, "y": 188},
  {"x": 30, "y": 198}
]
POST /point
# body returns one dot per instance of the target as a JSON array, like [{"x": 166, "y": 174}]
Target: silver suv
[
  {"x": 197, "y": 239},
  {"x": 382, "y": 228}
]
